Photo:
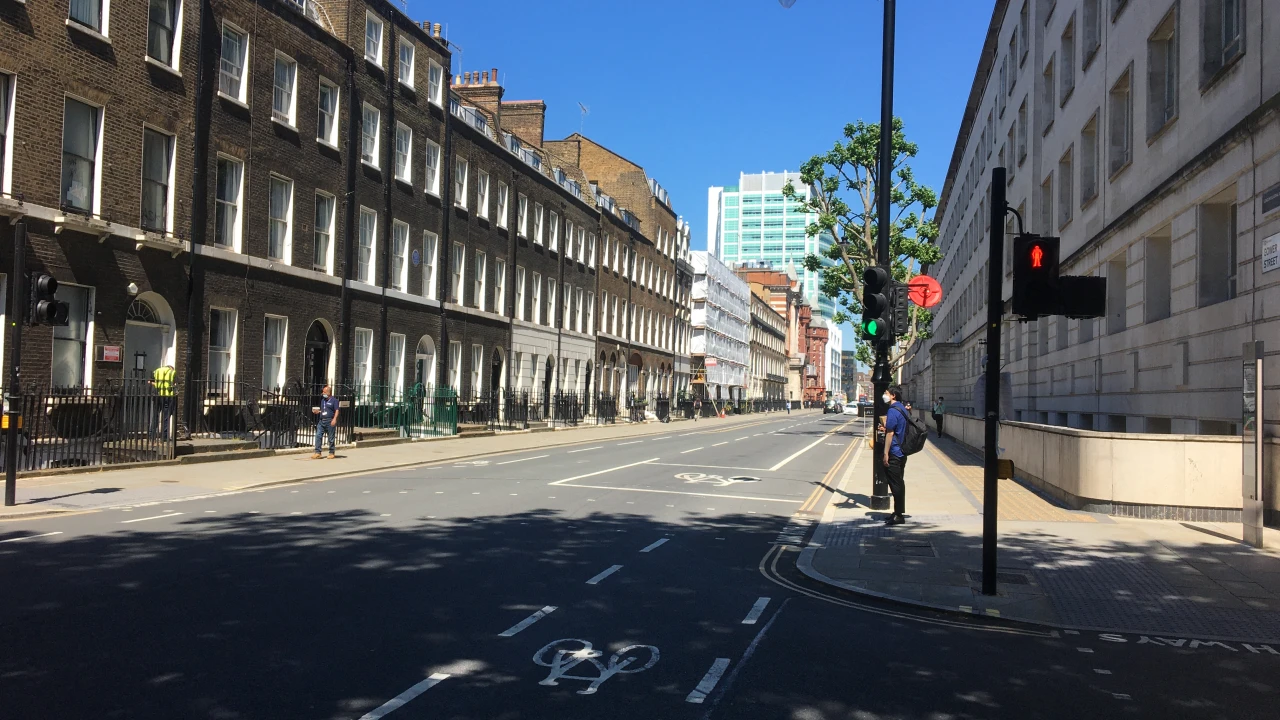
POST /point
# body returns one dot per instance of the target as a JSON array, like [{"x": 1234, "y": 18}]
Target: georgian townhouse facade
[
  {"x": 766, "y": 376},
  {"x": 358, "y": 214}
]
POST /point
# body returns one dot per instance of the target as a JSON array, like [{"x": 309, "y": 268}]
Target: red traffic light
[{"x": 1037, "y": 256}]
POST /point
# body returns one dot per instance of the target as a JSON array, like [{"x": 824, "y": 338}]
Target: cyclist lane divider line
[
  {"x": 404, "y": 697},
  {"x": 606, "y": 470},
  {"x": 511, "y": 631},
  {"x": 709, "y": 681},
  {"x": 808, "y": 447},
  {"x": 653, "y": 546},
  {"x": 596, "y": 580}
]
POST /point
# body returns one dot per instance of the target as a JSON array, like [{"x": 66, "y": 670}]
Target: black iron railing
[{"x": 275, "y": 419}]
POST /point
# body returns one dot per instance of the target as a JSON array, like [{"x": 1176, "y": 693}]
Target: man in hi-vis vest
[{"x": 163, "y": 380}]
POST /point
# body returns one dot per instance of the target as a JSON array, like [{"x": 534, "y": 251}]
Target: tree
[{"x": 844, "y": 182}]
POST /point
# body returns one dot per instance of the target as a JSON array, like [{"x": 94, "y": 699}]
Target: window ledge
[
  {"x": 1086, "y": 203},
  {"x": 1047, "y": 129},
  {"x": 1067, "y": 96},
  {"x": 406, "y": 183},
  {"x": 233, "y": 100},
  {"x": 1118, "y": 171},
  {"x": 283, "y": 123},
  {"x": 407, "y": 86},
  {"x": 160, "y": 241},
  {"x": 326, "y": 143},
  {"x": 1159, "y": 133},
  {"x": 11, "y": 207},
  {"x": 88, "y": 31},
  {"x": 370, "y": 165},
  {"x": 81, "y": 223},
  {"x": 162, "y": 66}
]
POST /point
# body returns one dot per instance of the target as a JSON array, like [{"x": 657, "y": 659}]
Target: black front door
[{"x": 317, "y": 357}]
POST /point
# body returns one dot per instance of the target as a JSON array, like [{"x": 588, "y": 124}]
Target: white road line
[
  {"x": 664, "y": 437},
  {"x": 744, "y": 437},
  {"x": 596, "y": 580},
  {"x": 653, "y": 546},
  {"x": 798, "y": 453},
  {"x": 601, "y": 472},
  {"x": 756, "y": 611},
  {"x": 584, "y": 449},
  {"x": 535, "y": 457},
  {"x": 686, "y": 452},
  {"x": 153, "y": 517},
  {"x": 746, "y": 656},
  {"x": 1085, "y": 650},
  {"x": 405, "y": 697},
  {"x": 726, "y": 442},
  {"x": 633, "y": 442},
  {"x": 528, "y": 621},
  {"x": 709, "y": 681},
  {"x": 677, "y": 492},
  {"x": 1100, "y": 671},
  {"x": 29, "y": 537}
]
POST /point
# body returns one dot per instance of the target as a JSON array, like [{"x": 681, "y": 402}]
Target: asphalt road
[{"x": 649, "y": 578}]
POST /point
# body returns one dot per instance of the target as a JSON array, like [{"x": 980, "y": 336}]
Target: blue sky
[{"x": 698, "y": 90}]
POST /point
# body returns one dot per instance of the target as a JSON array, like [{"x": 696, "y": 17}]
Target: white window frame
[
  {"x": 277, "y": 382},
  {"x": 455, "y": 366},
  {"x": 591, "y": 249},
  {"x": 578, "y": 298},
  {"x": 288, "y": 115},
  {"x": 551, "y": 301},
  {"x": 372, "y": 160},
  {"x": 237, "y": 230},
  {"x": 95, "y": 206},
  {"x": 328, "y": 231},
  {"x": 371, "y": 20},
  {"x": 104, "y": 20},
  {"x": 500, "y": 218},
  {"x": 413, "y": 56},
  {"x": 242, "y": 92},
  {"x": 581, "y": 251},
  {"x": 430, "y": 263},
  {"x": 432, "y": 171},
  {"x": 537, "y": 299},
  {"x": 395, "y": 363},
  {"x": 537, "y": 224},
  {"x": 435, "y": 83},
  {"x": 404, "y": 170},
  {"x": 286, "y": 241},
  {"x": 458, "y": 273},
  {"x": 520, "y": 292},
  {"x": 568, "y": 239},
  {"x": 10, "y": 83},
  {"x": 363, "y": 336},
  {"x": 553, "y": 240},
  {"x": 477, "y": 369},
  {"x": 175, "y": 45},
  {"x": 590, "y": 328},
  {"x": 371, "y": 265},
  {"x": 566, "y": 316},
  {"x": 461, "y": 173},
  {"x": 480, "y": 275},
  {"x": 500, "y": 286},
  {"x": 170, "y": 171},
  {"x": 482, "y": 193},
  {"x": 230, "y": 375},
  {"x": 330, "y": 138},
  {"x": 399, "y": 278},
  {"x": 522, "y": 215}
]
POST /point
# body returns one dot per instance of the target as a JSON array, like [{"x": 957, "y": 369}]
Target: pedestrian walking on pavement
[
  {"x": 895, "y": 461},
  {"x": 697, "y": 408},
  {"x": 939, "y": 410},
  {"x": 326, "y": 422}
]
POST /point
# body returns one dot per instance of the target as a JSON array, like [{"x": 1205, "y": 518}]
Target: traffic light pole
[
  {"x": 879, "y": 499},
  {"x": 12, "y": 396},
  {"x": 995, "y": 310}
]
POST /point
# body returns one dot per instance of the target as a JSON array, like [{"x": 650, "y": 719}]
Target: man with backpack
[{"x": 902, "y": 438}]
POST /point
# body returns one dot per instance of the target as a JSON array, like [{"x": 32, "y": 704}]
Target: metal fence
[
  {"x": 606, "y": 409},
  {"x": 117, "y": 422},
  {"x": 496, "y": 409},
  {"x": 570, "y": 409},
  {"x": 662, "y": 408},
  {"x": 274, "y": 419},
  {"x": 416, "y": 411}
]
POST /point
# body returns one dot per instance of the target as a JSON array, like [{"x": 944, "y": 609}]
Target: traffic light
[
  {"x": 876, "y": 320},
  {"x": 1035, "y": 276},
  {"x": 901, "y": 310},
  {"x": 45, "y": 308}
]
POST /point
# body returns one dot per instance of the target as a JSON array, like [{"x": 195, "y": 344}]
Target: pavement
[
  {"x": 631, "y": 578},
  {"x": 1058, "y": 567}
]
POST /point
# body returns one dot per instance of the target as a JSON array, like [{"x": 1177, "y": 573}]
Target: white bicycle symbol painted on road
[
  {"x": 565, "y": 654},
  {"x": 717, "y": 480}
]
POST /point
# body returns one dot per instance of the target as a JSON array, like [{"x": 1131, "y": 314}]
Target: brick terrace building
[{"x": 357, "y": 214}]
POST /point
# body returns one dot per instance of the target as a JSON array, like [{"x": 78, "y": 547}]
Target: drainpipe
[
  {"x": 203, "y": 108},
  {"x": 446, "y": 247},
  {"x": 348, "y": 241},
  {"x": 388, "y": 179}
]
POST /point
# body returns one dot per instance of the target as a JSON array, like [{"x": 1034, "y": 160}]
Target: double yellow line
[{"x": 828, "y": 480}]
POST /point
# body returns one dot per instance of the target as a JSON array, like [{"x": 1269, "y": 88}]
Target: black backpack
[{"x": 913, "y": 438}]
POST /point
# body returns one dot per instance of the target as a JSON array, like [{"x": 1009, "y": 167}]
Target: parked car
[
  {"x": 851, "y": 409},
  {"x": 832, "y": 406}
]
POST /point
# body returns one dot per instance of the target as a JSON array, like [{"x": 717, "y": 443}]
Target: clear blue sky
[{"x": 698, "y": 90}]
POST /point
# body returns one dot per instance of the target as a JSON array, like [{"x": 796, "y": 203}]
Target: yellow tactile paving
[{"x": 1016, "y": 502}]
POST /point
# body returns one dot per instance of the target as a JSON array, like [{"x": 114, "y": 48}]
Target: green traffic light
[{"x": 873, "y": 328}]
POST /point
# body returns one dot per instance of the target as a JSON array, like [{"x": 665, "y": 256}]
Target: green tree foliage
[{"x": 845, "y": 180}]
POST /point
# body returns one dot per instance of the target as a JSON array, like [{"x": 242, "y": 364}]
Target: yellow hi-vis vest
[{"x": 163, "y": 377}]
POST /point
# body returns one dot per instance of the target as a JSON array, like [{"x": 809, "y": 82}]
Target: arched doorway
[
  {"x": 586, "y": 380},
  {"x": 317, "y": 354},
  {"x": 634, "y": 367},
  {"x": 425, "y": 364},
  {"x": 148, "y": 335},
  {"x": 548, "y": 376},
  {"x": 497, "y": 370}
]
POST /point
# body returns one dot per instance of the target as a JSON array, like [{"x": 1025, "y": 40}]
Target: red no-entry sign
[{"x": 924, "y": 291}]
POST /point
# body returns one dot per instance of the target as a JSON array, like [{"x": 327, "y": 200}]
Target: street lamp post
[{"x": 879, "y": 499}]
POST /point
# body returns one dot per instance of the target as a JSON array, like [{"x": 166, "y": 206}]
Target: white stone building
[
  {"x": 721, "y": 324},
  {"x": 1146, "y": 135}
]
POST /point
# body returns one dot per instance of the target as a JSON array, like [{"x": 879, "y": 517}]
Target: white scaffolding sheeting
[{"x": 721, "y": 320}]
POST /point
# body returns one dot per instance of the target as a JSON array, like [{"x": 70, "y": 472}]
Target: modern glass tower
[{"x": 752, "y": 223}]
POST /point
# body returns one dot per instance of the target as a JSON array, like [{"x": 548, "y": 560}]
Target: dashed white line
[
  {"x": 29, "y": 537},
  {"x": 726, "y": 442},
  {"x": 653, "y": 546},
  {"x": 686, "y": 452},
  {"x": 1100, "y": 671},
  {"x": 405, "y": 696},
  {"x": 709, "y": 681},
  {"x": 528, "y": 621},
  {"x": 508, "y": 462},
  {"x": 756, "y": 611},
  {"x": 596, "y": 580},
  {"x": 633, "y": 442},
  {"x": 601, "y": 472},
  {"x": 584, "y": 449},
  {"x": 153, "y": 517},
  {"x": 1085, "y": 650}
]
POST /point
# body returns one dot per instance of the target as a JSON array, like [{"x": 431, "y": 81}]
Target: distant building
[
  {"x": 721, "y": 319},
  {"x": 849, "y": 374},
  {"x": 767, "y": 378},
  {"x": 782, "y": 291},
  {"x": 752, "y": 223}
]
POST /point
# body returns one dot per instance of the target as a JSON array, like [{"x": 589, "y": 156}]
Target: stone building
[
  {"x": 721, "y": 319},
  {"x": 1146, "y": 135},
  {"x": 766, "y": 377},
  {"x": 784, "y": 294}
]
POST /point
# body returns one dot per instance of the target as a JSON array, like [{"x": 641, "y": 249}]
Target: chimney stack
[
  {"x": 486, "y": 77},
  {"x": 495, "y": 76},
  {"x": 437, "y": 30}
]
